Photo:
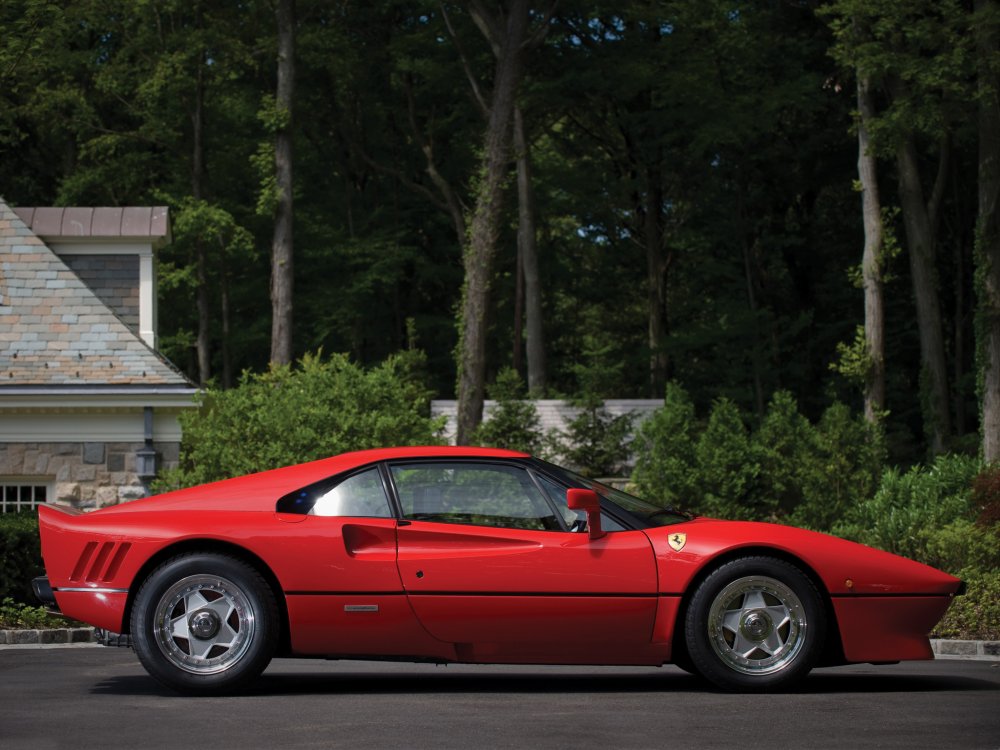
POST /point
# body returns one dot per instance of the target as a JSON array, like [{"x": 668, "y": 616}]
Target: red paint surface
[{"x": 474, "y": 593}]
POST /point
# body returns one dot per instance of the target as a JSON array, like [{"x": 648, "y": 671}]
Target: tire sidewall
[
  {"x": 258, "y": 652},
  {"x": 696, "y": 627}
]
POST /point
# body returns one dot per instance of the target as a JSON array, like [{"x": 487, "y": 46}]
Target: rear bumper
[{"x": 43, "y": 592}]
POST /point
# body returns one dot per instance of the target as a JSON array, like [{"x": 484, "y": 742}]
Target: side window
[
  {"x": 360, "y": 494},
  {"x": 468, "y": 493},
  {"x": 576, "y": 520}
]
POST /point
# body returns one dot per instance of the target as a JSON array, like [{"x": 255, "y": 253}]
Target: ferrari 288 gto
[{"x": 472, "y": 555}]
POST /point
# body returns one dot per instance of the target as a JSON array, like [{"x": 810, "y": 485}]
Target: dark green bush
[
  {"x": 20, "y": 555},
  {"x": 665, "y": 468},
  {"x": 842, "y": 467},
  {"x": 975, "y": 616},
  {"x": 927, "y": 514},
  {"x": 786, "y": 470},
  {"x": 289, "y": 415},
  {"x": 729, "y": 468},
  {"x": 595, "y": 442},
  {"x": 19, "y": 616},
  {"x": 513, "y": 423}
]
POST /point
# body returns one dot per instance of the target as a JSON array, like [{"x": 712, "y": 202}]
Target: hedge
[{"x": 20, "y": 555}]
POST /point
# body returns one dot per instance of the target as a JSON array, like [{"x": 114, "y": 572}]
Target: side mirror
[{"x": 590, "y": 502}]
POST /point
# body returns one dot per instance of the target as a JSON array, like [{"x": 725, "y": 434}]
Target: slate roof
[{"x": 54, "y": 331}]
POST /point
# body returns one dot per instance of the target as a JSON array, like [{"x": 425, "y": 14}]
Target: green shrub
[
  {"x": 787, "y": 470},
  {"x": 786, "y": 446},
  {"x": 975, "y": 616},
  {"x": 729, "y": 468},
  {"x": 20, "y": 555},
  {"x": 665, "y": 468},
  {"x": 595, "y": 442},
  {"x": 842, "y": 467},
  {"x": 927, "y": 514},
  {"x": 290, "y": 415},
  {"x": 986, "y": 496},
  {"x": 18, "y": 616},
  {"x": 513, "y": 423}
]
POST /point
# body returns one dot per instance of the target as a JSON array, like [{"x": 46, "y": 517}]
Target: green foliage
[
  {"x": 788, "y": 469},
  {"x": 665, "y": 467},
  {"x": 927, "y": 514},
  {"x": 513, "y": 423},
  {"x": 842, "y": 467},
  {"x": 595, "y": 442},
  {"x": 729, "y": 468},
  {"x": 853, "y": 361},
  {"x": 986, "y": 496},
  {"x": 289, "y": 415},
  {"x": 16, "y": 615},
  {"x": 745, "y": 188},
  {"x": 20, "y": 555},
  {"x": 976, "y": 615}
]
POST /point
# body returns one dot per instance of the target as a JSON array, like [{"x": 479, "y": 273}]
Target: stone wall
[{"x": 85, "y": 475}]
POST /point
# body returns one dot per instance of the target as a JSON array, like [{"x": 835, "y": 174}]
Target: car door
[
  {"x": 488, "y": 565},
  {"x": 343, "y": 592}
]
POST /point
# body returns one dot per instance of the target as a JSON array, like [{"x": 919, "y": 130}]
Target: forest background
[
  {"x": 667, "y": 189},
  {"x": 781, "y": 217}
]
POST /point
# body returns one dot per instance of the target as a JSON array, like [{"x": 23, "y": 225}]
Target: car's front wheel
[
  {"x": 204, "y": 623},
  {"x": 755, "y": 624}
]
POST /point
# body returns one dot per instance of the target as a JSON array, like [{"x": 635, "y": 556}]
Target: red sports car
[{"x": 473, "y": 555}]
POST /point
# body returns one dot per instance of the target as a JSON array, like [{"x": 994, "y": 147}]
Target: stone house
[{"x": 88, "y": 407}]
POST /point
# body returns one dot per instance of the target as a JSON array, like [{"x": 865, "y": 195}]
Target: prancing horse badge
[{"x": 677, "y": 541}]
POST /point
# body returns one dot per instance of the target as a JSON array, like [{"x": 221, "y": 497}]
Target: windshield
[{"x": 645, "y": 512}]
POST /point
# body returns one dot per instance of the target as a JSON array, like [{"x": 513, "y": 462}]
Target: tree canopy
[{"x": 693, "y": 195}]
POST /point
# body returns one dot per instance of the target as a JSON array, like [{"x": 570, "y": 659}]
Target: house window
[{"x": 17, "y": 494}]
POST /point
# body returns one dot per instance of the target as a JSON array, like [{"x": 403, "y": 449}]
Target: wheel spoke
[
  {"x": 754, "y": 600},
  {"x": 200, "y": 648},
  {"x": 773, "y": 643},
  {"x": 731, "y": 620},
  {"x": 179, "y": 627},
  {"x": 779, "y": 616},
  {"x": 226, "y": 636},
  {"x": 743, "y": 646},
  {"x": 194, "y": 600}
]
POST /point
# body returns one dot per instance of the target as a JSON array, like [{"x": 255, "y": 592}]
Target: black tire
[
  {"x": 205, "y": 624},
  {"x": 755, "y": 624}
]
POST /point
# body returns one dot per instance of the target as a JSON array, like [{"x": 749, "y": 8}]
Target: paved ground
[{"x": 87, "y": 697}]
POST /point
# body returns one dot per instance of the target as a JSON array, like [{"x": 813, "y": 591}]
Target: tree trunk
[
  {"x": 871, "y": 263},
  {"x": 517, "y": 351},
  {"x": 657, "y": 269},
  {"x": 484, "y": 230},
  {"x": 227, "y": 364},
  {"x": 282, "y": 242},
  {"x": 920, "y": 239},
  {"x": 203, "y": 343},
  {"x": 528, "y": 251},
  {"x": 988, "y": 224}
]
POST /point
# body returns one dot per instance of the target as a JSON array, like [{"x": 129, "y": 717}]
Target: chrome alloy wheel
[
  {"x": 204, "y": 624},
  {"x": 757, "y": 625}
]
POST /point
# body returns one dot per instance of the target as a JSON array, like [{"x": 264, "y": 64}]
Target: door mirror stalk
[{"x": 589, "y": 502}]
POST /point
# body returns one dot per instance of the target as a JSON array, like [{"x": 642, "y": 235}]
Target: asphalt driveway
[{"x": 92, "y": 697}]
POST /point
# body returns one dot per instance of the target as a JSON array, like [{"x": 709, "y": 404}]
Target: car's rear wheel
[
  {"x": 204, "y": 623},
  {"x": 755, "y": 624}
]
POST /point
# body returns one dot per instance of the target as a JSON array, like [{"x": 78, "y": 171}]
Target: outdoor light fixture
[{"x": 145, "y": 457}]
